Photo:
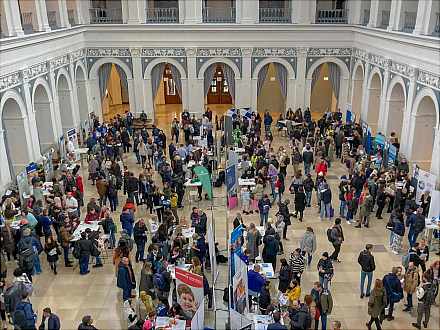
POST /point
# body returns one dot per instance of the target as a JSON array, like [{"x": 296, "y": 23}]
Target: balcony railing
[
  {"x": 105, "y": 16},
  {"x": 71, "y": 15},
  {"x": 366, "y": 17},
  {"x": 436, "y": 31},
  {"x": 162, "y": 15},
  {"x": 26, "y": 22},
  {"x": 52, "y": 19},
  {"x": 409, "y": 22},
  {"x": 275, "y": 15},
  {"x": 219, "y": 15},
  {"x": 385, "y": 19},
  {"x": 334, "y": 16}
]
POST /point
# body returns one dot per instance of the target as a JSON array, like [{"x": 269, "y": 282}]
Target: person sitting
[{"x": 255, "y": 282}]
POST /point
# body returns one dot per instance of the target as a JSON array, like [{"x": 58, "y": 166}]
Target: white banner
[
  {"x": 211, "y": 245},
  {"x": 425, "y": 182},
  {"x": 240, "y": 286},
  {"x": 434, "y": 209},
  {"x": 190, "y": 296}
]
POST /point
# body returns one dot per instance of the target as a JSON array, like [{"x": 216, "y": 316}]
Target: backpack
[
  {"x": 429, "y": 297},
  {"x": 12, "y": 297},
  {"x": 26, "y": 255},
  {"x": 329, "y": 235},
  {"x": 76, "y": 252},
  {"x": 21, "y": 319},
  {"x": 159, "y": 281}
]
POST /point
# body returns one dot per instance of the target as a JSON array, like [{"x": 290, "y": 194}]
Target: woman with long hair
[{"x": 377, "y": 304}]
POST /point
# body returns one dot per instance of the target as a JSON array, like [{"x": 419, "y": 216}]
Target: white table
[
  {"x": 188, "y": 183},
  {"x": 239, "y": 150},
  {"x": 266, "y": 269},
  {"x": 261, "y": 321},
  {"x": 94, "y": 226},
  {"x": 163, "y": 322},
  {"x": 246, "y": 182}
]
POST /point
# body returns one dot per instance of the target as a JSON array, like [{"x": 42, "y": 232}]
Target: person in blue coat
[
  {"x": 24, "y": 316},
  {"x": 393, "y": 289},
  {"x": 45, "y": 223},
  {"x": 127, "y": 221},
  {"x": 50, "y": 321},
  {"x": 267, "y": 121},
  {"x": 125, "y": 280}
]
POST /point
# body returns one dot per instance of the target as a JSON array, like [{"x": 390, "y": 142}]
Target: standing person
[
  {"x": 253, "y": 242},
  {"x": 300, "y": 203},
  {"x": 411, "y": 281},
  {"x": 366, "y": 204},
  {"x": 82, "y": 251},
  {"x": 423, "y": 253},
  {"x": 297, "y": 263},
  {"x": 368, "y": 266},
  {"x": 52, "y": 250},
  {"x": 127, "y": 221},
  {"x": 416, "y": 224},
  {"x": 393, "y": 289},
  {"x": 24, "y": 316},
  {"x": 376, "y": 305},
  {"x": 308, "y": 244},
  {"x": 125, "y": 279},
  {"x": 285, "y": 276},
  {"x": 325, "y": 270},
  {"x": 264, "y": 206},
  {"x": 27, "y": 255},
  {"x": 325, "y": 195},
  {"x": 267, "y": 121},
  {"x": 86, "y": 323},
  {"x": 50, "y": 321},
  {"x": 426, "y": 294},
  {"x": 308, "y": 160},
  {"x": 309, "y": 185},
  {"x": 270, "y": 249},
  {"x": 337, "y": 237},
  {"x": 140, "y": 238}
]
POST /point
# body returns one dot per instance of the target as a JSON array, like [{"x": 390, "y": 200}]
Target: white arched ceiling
[
  {"x": 153, "y": 63},
  {"x": 290, "y": 72},
  {"x": 226, "y": 61}
]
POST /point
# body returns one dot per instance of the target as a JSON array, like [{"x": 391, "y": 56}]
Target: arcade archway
[
  {"x": 356, "y": 103},
  {"x": 374, "y": 94},
  {"x": 272, "y": 88},
  {"x": 65, "y": 102},
  {"x": 396, "y": 110},
  {"x": 43, "y": 108},
  {"x": 326, "y": 81}
]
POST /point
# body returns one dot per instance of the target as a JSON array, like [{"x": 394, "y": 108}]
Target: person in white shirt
[{"x": 72, "y": 206}]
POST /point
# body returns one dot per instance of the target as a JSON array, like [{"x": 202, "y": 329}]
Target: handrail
[
  {"x": 218, "y": 14},
  {"x": 105, "y": 16},
  {"x": 332, "y": 16},
  {"x": 162, "y": 15},
  {"x": 275, "y": 15}
]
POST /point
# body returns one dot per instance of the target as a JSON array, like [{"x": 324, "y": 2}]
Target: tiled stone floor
[{"x": 71, "y": 296}]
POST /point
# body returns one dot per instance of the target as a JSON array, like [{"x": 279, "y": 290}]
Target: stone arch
[
  {"x": 65, "y": 99},
  {"x": 81, "y": 90},
  {"x": 80, "y": 65},
  {"x": 226, "y": 61},
  {"x": 15, "y": 147},
  {"x": 95, "y": 67},
  {"x": 45, "y": 118},
  {"x": 357, "y": 91},
  {"x": 153, "y": 63},
  {"x": 424, "y": 136},
  {"x": 374, "y": 93},
  {"x": 291, "y": 73},
  {"x": 345, "y": 77},
  {"x": 395, "y": 106}
]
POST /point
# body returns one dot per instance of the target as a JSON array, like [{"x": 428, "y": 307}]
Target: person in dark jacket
[
  {"x": 264, "y": 298},
  {"x": 276, "y": 325},
  {"x": 270, "y": 249},
  {"x": 285, "y": 276},
  {"x": 299, "y": 316},
  {"x": 83, "y": 250},
  {"x": 283, "y": 209},
  {"x": 300, "y": 202},
  {"x": 127, "y": 221},
  {"x": 50, "y": 321},
  {"x": 325, "y": 270},
  {"x": 125, "y": 279},
  {"x": 140, "y": 238},
  {"x": 380, "y": 201},
  {"x": 366, "y": 261},
  {"x": 337, "y": 236},
  {"x": 87, "y": 323},
  {"x": 393, "y": 289},
  {"x": 24, "y": 317},
  {"x": 264, "y": 206},
  {"x": 416, "y": 224}
]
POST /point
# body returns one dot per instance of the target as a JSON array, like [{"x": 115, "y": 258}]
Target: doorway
[{"x": 218, "y": 92}]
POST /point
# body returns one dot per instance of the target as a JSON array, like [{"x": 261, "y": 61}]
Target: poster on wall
[
  {"x": 230, "y": 178},
  {"x": 240, "y": 286},
  {"x": 425, "y": 181},
  {"x": 392, "y": 154},
  {"x": 23, "y": 186},
  {"x": 189, "y": 288},
  {"x": 434, "y": 208}
]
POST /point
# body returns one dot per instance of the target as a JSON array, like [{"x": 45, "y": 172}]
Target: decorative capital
[
  {"x": 302, "y": 51},
  {"x": 429, "y": 79},
  {"x": 59, "y": 62},
  {"x": 135, "y": 52},
  {"x": 191, "y": 52},
  {"x": 246, "y": 51},
  {"x": 329, "y": 52},
  {"x": 163, "y": 52},
  {"x": 108, "y": 52},
  {"x": 35, "y": 70}
]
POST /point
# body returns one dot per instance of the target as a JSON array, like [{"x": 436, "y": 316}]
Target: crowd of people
[{"x": 63, "y": 222}]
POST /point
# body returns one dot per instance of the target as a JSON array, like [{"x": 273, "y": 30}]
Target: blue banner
[
  {"x": 380, "y": 140},
  {"x": 392, "y": 154},
  {"x": 368, "y": 142},
  {"x": 230, "y": 178},
  {"x": 348, "y": 117}
]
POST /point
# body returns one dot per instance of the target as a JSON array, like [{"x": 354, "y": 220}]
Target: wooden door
[
  {"x": 170, "y": 91},
  {"x": 219, "y": 90}
]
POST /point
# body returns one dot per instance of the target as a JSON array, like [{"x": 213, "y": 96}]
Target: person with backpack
[
  {"x": 368, "y": 266},
  {"x": 366, "y": 204},
  {"x": 426, "y": 294},
  {"x": 28, "y": 249},
  {"x": 50, "y": 321},
  {"x": 335, "y": 236},
  {"x": 393, "y": 289},
  {"x": 125, "y": 279},
  {"x": 162, "y": 282},
  {"x": 416, "y": 224},
  {"x": 24, "y": 317}
]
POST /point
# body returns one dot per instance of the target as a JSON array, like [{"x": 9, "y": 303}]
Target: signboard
[
  {"x": 31, "y": 168},
  {"x": 240, "y": 286},
  {"x": 392, "y": 154},
  {"x": 434, "y": 208},
  {"x": 425, "y": 182},
  {"x": 23, "y": 186},
  {"x": 230, "y": 178},
  {"x": 380, "y": 141}
]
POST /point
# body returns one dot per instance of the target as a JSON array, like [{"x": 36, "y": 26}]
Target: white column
[
  {"x": 408, "y": 126},
  {"x": 396, "y": 16},
  {"x": 435, "y": 162},
  {"x": 133, "y": 12},
  {"x": 56, "y": 104},
  {"x": 41, "y": 14},
  {"x": 290, "y": 97},
  {"x": 364, "y": 107},
  {"x": 148, "y": 98},
  {"x": 354, "y": 12},
  {"x": 374, "y": 14},
  {"x": 83, "y": 12},
  {"x": 301, "y": 63},
  {"x": 193, "y": 11},
  {"x": 5, "y": 175},
  {"x": 196, "y": 98},
  {"x": 95, "y": 98},
  {"x": 137, "y": 80},
  {"x": 142, "y": 7},
  {"x": 64, "y": 16},
  {"x": 383, "y": 95},
  {"x": 74, "y": 95},
  {"x": 13, "y": 18},
  {"x": 249, "y": 11},
  {"x": 125, "y": 13},
  {"x": 132, "y": 95},
  {"x": 423, "y": 17},
  {"x": 243, "y": 91},
  {"x": 33, "y": 145}
]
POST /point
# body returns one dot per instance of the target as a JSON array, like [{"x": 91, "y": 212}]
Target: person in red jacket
[
  {"x": 91, "y": 216},
  {"x": 321, "y": 167},
  {"x": 79, "y": 183}
]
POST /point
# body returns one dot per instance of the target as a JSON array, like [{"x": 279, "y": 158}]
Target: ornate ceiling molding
[
  {"x": 77, "y": 54},
  {"x": 274, "y": 52},
  {"x": 403, "y": 69},
  {"x": 429, "y": 79},
  {"x": 58, "y": 62},
  {"x": 108, "y": 52},
  {"x": 35, "y": 71},
  {"x": 219, "y": 52},
  {"x": 10, "y": 81},
  {"x": 329, "y": 52},
  {"x": 163, "y": 52}
]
